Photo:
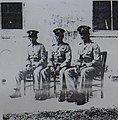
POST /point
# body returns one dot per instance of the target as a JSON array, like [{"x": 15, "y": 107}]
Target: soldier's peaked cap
[
  {"x": 58, "y": 31},
  {"x": 83, "y": 29},
  {"x": 32, "y": 33}
]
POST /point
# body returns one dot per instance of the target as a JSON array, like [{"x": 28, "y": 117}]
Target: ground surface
[{"x": 26, "y": 105}]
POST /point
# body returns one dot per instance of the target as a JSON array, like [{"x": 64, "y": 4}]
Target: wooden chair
[
  {"x": 55, "y": 80},
  {"x": 29, "y": 78},
  {"x": 98, "y": 80}
]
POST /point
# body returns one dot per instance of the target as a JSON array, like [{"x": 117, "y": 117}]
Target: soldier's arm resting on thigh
[
  {"x": 42, "y": 56},
  {"x": 68, "y": 56}
]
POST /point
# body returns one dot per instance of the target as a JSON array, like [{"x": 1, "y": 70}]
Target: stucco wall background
[{"x": 46, "y": 15}]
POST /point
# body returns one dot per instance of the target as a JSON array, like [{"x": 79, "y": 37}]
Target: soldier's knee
[
  {"x": 84, "y": 72},
  {"x": 70, "y": 71},
  {"x": 67, "y": 72},
  {"x": 63, "y": 70},
  {"x": 42, "y": 72},
  {"x": 37, "y": 70}
]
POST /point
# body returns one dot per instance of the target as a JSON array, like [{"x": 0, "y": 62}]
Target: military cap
[
  {"x": 58, "y": 31},
  {"x": 83, "y": 29},
  {"x": 32, "y": 33}
]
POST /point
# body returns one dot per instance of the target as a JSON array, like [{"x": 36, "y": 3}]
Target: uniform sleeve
[
  {"x": 50, "y": 55},
  {"x": 96, "y": 55},
  {"x": 78, "y": 60},
  {"x": 68, "y": 56}
]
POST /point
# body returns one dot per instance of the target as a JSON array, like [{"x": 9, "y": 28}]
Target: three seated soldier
[{"x": 87, "y": 66}]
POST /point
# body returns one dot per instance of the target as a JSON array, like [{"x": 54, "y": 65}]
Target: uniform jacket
[
  {"x": 89, "y": 53},
  {"x": 60, "y": 55},
  {"x": 36, "y": 54}
]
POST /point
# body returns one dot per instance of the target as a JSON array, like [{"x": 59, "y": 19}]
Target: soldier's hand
[
  {"x": 58, "y": 68},
  {"x": 88, "y": 64},
  {"x": 76, "y": 63},
  {"x": 27, "y": 66},
  {"x": 34, "y": 66},
  {"x": 77, "y": 66},
  {"x": 52, "y": 69},
  {"x": 27, "y": 62}
]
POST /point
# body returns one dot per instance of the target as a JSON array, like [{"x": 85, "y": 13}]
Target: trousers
[
  {"x": 84, "y": 78},
  {"x": 21, "y": 76},
  {"x": 47, "y": 72}
]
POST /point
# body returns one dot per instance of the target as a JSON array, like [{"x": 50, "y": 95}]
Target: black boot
[
  {"x": 72, "y": 96},
  {"x": 81, "y": 99},
  {"x": 44, "y": 96},
  {"x": 37, "y": 94},
  {"x": 62, "y": 97},
  {"x": 16, "y": 94}
]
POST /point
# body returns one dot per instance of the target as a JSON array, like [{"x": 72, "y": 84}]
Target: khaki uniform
[
  {"x": 88, "y": 53},
  {"x": 36, "y": 62},
  {"x": 37, "y": 55},
  {"x": 60, "y": 56}
]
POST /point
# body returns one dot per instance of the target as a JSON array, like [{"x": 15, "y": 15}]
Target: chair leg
[
  {"x": 33, "y": 84},
  {"x": 102, "y": 88},
  {"x": 24, "y": 87},
  {"x": 87, "y": 97},
  {"x": 101, "y": 92},
  {"x": 48, "y": 88},
  {"x": 39, "y": 81},
  {"x": 91, "y": 93},
  {"x": 87, "y": 88},
  {"x": 76, "y": 85},
  {"x": 54, "y": 85}
]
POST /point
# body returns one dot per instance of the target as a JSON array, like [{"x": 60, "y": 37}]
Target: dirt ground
[{"x": 27, "y": 103}]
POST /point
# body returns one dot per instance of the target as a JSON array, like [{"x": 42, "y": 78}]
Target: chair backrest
[
  {"x": 103, "y": 60},
  {"x": 29, "y": 76}
]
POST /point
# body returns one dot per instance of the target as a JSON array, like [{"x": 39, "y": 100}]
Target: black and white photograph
[{"x": 58, "y": 59}]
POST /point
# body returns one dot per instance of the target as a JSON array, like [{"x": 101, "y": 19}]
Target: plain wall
[{"x": 46, "y": 15}]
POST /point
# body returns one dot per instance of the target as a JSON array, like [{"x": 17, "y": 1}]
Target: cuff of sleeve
[
  {"x": 63, "y": 64},
  {"x": 93, "y": 62}
]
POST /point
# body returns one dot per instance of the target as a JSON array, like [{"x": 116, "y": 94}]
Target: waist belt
[
  {"x": 87, "y": 60},
  {"x": 36, "y": 59}
]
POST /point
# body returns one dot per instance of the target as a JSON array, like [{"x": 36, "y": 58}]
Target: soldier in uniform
[
  {"x": 88, "y": 64},
  {"x": 59, "y": 60},
  {"x": 36, "y": 61}
]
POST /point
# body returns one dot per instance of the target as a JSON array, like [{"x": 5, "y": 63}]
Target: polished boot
[
  {"x": 16, "y": 94},
  {"x": 62, "y": 97},
  {"x": 37, "y": 94},
  {"x": 72, "y": 96}
]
